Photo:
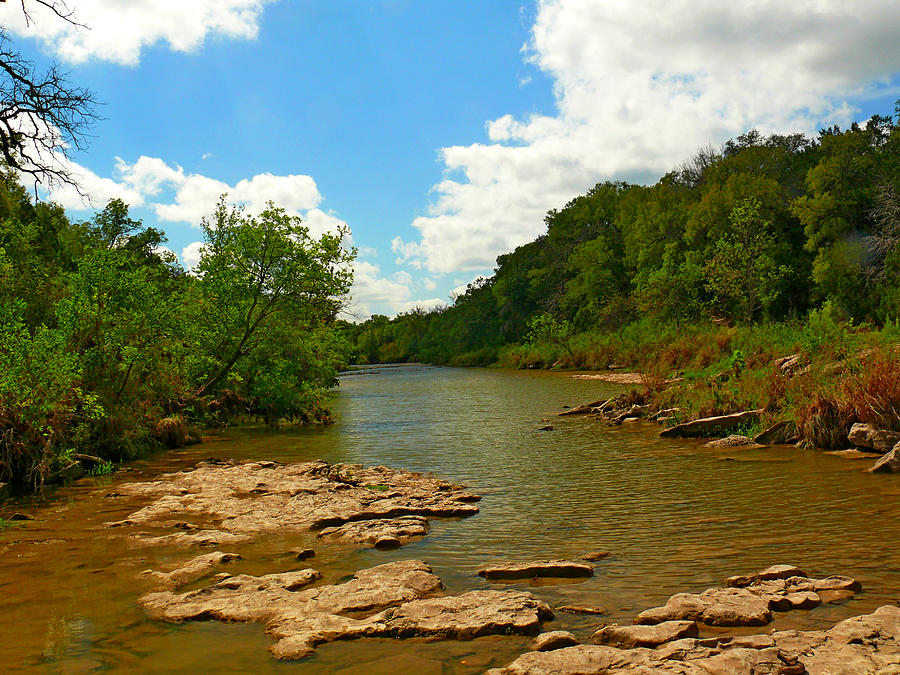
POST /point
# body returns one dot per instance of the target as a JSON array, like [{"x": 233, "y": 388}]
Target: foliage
[
  {"x": 763, "y": 231},
  {"x": 108, "y": 347}
]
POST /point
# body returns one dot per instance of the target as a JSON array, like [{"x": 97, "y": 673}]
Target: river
[{"x": 675, "y": 516}]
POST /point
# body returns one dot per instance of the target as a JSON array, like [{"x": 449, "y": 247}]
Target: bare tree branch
[
  {"x": 58, "y": 7},
  {"x": 42, "y": 117}
]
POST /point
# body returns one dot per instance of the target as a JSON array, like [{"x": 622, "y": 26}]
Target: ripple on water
[{"x": 674, "y": 517}]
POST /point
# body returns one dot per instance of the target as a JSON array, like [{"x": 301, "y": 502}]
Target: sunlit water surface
[{"x": 676, "y": 517}]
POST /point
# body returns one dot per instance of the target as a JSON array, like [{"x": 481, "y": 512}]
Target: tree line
[
  {"x": 108, "y": 346},
  {"x": 766, "y": 228}
]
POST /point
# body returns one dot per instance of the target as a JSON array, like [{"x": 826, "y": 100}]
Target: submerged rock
[
  {"x": 711, "y": 426},
  {"x": 583, "y": 409},
  {"x": 392, "y": 600},
  {"x": 733, "y": 442},
  {"x": 244, "y": 500},
  {"x": 863, "y": 644},
  {"x": 533, "y": 570},
  {"x": 595, "y": 556}
]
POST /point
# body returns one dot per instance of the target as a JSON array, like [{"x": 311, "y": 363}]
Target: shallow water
[{"x": 676, "y": 517}]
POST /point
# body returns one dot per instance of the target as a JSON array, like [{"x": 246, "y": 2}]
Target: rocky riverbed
[{"x": 220, "y": 502}]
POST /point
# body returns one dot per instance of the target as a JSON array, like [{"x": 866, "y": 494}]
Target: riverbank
[{"x": 819, "y": 378}]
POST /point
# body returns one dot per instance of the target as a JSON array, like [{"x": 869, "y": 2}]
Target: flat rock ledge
[
  {"x": 532, "y": 570},
  {"x": 399, "y": 599},
  {"x": 711, "y": 426},
  {"x": 750, "y": 600},
  {"x": 628, "y": 637},
  {"x": 863, "y": 644},
  {"x": 219, "y": 503}
]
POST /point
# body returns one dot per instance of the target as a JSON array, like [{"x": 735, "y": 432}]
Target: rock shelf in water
[
  {"x": 750, "y": 600},
  {"x": 399, "y": 599},
  {"x": 863, "y": 644},
  {"x": 534, "y": 570},
  {"x": 219, "y": 503}
]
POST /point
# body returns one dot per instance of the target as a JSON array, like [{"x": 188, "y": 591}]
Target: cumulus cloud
[
  {"x": 372, "y": 292},
  {"x": 194, "y": 196},
  {"x": 639, "y": 87},
  {"x": 190, "y": 255},
  {"x": 117, "y": 30}
]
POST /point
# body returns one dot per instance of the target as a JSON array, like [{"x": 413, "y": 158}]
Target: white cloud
[
  {"x": 639, "y": 87},
  {"x": 194, "y": 196},
  {"x": 117, "y": 30},
  {"x": 429, "y": 284},
  {"x": 190, "y": 255},
  {"x": 373, "y": 293}
]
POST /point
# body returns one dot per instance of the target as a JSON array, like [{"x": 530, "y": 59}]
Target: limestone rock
[
  {"x": 890, "y": 463},
  {"x": 556, "y": 639},
  {"x": 711, "y": 426},
  {"x": 253, "y": 498},
  {"x": 380, "y": 532},
  {"x": 391, "y": 600},
  {"x": 594, "y": 556},
  {"x": 303, "y": 553},
  {"x": 714, "y": 607},
  {"x": 837, "y": 582},
  {"x": 773, "y": 572},
  {"x": 583, "y": 409},
  {"x": 470, "y": 615},
  {"x": 780, "y": 433},
  {"x": 853, "y": 453},
  {"x": 532, "y": 570},
  {"x": 733, "y": 442},
  {"x": 628, "y": 637},
  {"x": 869, "y": 436},
  {"x": 863, "y": 644},
  {"x": 195, "y": 569},
  {"x": 580, "y": 609}
]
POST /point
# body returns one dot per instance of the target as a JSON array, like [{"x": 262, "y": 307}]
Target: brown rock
[
  {"x": 869, "y": 436},
  {"x": 391, "y": 600},
  {"x": 249, "y": 499},
  {"x": 863, "y": 644},
  {"x": 780, "y": 433},
  {"x": 837, "y": 582},
  {"x": 546, "y": 427},
  {"x": 380, "y": 532},
  {"x": 556, "y": 639},
  {"x": 594, "y": 556},
  {"x": 711, "y": 426},
  {"x": 303, "y": 553},
  {"x": 853, "y": 453},
  {"x": 533, "y": 570},
  {"x": 583, "y": 409},
  {"x": 580, "y": 609},
  {"x": 890, "y": 463},
  {"x": 732, "y": 442},
  {"x": 804, "y": 600},
  {"x": 195, "y": 569},
  {"x": 714, "y": 607},
  {"x": 628, "y": 637}
]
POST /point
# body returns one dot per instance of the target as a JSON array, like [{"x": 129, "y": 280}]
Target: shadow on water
[{"x": 676, "y": 517}]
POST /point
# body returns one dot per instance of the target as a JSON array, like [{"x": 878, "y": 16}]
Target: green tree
[
  {"x": 260, "y": 278},
  {"x": 743, "y": 274}
]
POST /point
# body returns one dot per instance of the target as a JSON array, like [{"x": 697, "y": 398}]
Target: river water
[{"x": 674, "y": 515}]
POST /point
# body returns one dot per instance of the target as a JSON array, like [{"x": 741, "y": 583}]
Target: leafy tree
[
  {"x": 260, "y": 276},
  {"x": 743, "y": 274}
]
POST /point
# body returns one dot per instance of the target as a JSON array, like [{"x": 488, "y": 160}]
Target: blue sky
[{"x": 440, "y": 132}]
